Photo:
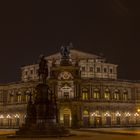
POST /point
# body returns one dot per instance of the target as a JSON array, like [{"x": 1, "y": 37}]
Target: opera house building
[{"x": 88, "y": 92}]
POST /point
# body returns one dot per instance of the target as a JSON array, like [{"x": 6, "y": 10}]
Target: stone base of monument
[
  {"x": 42, "y": 130},
  {"x": 41, "y": 117},
  {"x": 65, "y": 62}
]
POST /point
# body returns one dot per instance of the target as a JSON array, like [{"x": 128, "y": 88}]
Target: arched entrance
[
  {"x": 118, "y": 120},
  {"x": 65, "y": 117},
  {"x": 86, "y": 118},
  {"x": 97, "y": 121},
  {"x": 66, "y": 91},
  {"x": 108, "y": 120},
  {"x": 127, "y": 120}
]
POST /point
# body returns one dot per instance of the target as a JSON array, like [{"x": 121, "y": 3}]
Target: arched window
[
  {"x": 125, "y": 95},
  {"x": 27, "y": 95},
  {"x": 107, "y": 94},
  {"x": 85, "y": 113},
  {"x": 19, "y": 96},
  {"x": 96, "y": 94},
  {"x": 117, "y": 94},
  {"x": 11, "y": 96},
  {"x": 85, "y": 94}
]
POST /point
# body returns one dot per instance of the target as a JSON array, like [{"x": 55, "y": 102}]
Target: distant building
[{"x": 88, "y": 91}]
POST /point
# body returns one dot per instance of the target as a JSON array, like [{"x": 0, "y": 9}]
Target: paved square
[{"x": 80, "y": 135}]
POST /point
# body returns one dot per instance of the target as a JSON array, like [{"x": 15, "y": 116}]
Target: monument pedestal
[
  {"x": 43, "y": 130},
  {"x": 65, "y": 61},
  {"x": 42, "y": 113},
  {"x": 41, "y": 116}
]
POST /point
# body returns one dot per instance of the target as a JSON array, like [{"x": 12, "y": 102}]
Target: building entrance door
[
  {"x": 97, "y": 121},
  {"x": 118, "y": 120},
  {"x": 108, "y": 120},
  {"x": 66, "y": 120},
  {"x": 127, "y": 121},
  {"x": 1, "y": 121},
  {"x": 17, "y": 121},
  {"x": 86, "y": 121}
]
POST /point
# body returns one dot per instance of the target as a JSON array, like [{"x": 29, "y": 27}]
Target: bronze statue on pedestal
[
  {"x": 43, "y": 69},
  {"x": 42, "y": 114}
]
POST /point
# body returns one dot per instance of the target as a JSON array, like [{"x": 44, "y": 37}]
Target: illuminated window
[
  {"x": 19, "y": 97},
  {"x": 85, "y": 94},
  {"x": 85, "y": 113},
  {"x": 107, "y": 94},
  {"x": 125, "y": 95},
  {"x": 116, "y": 95},
  {"x": 96, "y": 94},
  {"x": 27, "y": 95}
]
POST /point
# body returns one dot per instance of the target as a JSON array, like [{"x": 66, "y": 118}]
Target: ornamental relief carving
[{"x": 65, "y": 76}]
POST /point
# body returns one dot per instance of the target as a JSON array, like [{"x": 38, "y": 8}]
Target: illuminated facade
[{"x": 88, "y": 91}]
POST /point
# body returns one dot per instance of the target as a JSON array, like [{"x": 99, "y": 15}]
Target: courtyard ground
[
  {"x": 86, "y": 134},
  {"x": 120, "y": 131}
]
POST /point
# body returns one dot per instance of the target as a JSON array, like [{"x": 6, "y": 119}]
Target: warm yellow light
[
  {"x": 127, "y": 114},
  {"x": 118, "y": 114},
  {"x": 107, "y": 114},
  {"x": 1, "y": 116},
  {"x": 16, "y": 116},
  {"x": 138, "y": 110},
  {"x": 8, "y": 116},
  {"x": 94, "y": 114},
  {"x": 136, "y": 114}
]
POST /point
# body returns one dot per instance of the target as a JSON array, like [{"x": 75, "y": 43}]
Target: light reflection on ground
[{"x": 85, "y": 134}]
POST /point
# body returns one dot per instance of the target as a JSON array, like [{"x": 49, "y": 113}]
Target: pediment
[{"x": 75, "y": 54}]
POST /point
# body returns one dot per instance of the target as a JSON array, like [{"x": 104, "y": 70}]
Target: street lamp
[{"x": 138, "y": 110}]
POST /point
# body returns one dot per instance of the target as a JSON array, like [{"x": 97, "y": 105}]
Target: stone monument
[{"x": 42, "y": 115}]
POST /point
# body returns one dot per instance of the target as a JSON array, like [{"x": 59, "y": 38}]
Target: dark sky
[{"x": 29, "y": 28}]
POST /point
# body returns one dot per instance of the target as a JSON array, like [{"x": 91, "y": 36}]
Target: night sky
[{"x": 108, "y": 27}]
